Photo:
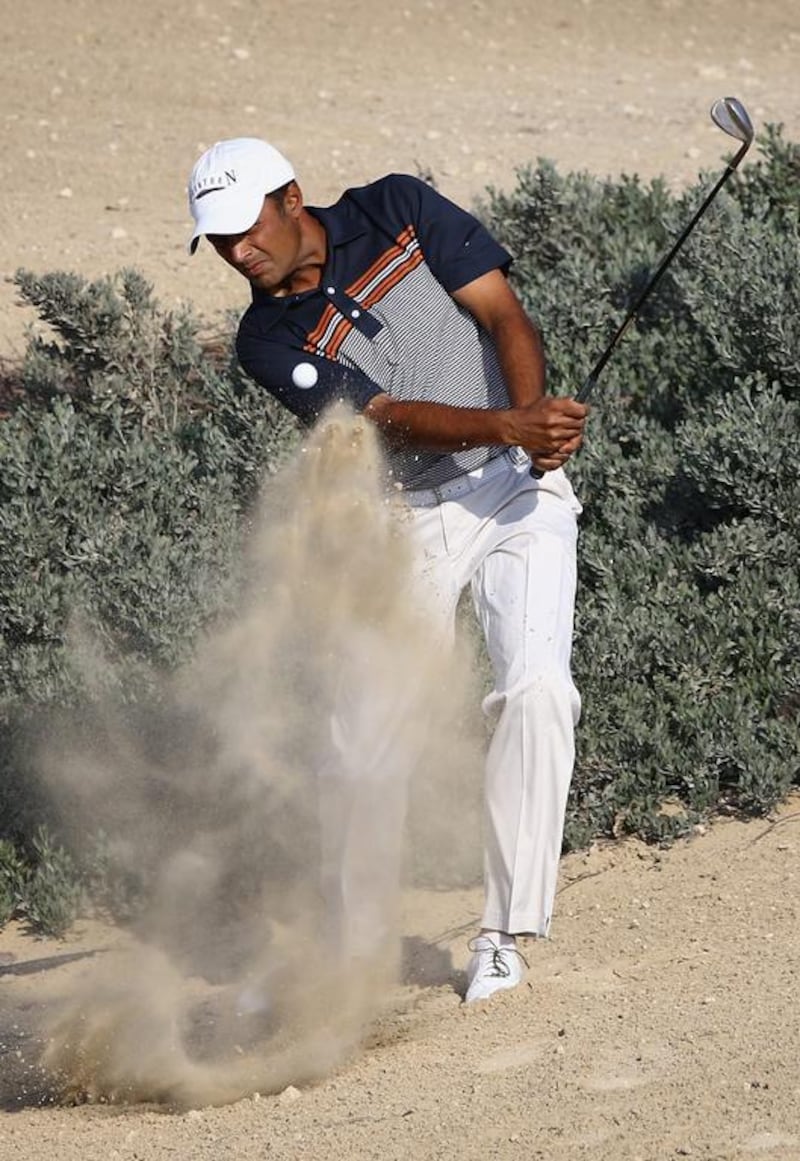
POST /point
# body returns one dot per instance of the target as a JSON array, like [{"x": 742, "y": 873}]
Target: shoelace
[{"x": 498, "y": 968}]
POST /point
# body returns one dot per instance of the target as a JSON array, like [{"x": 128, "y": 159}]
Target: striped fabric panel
[{"x": 393, "y": 265}]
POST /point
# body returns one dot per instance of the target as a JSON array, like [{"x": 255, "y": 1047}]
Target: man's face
[{"x": 268, "y": 253}]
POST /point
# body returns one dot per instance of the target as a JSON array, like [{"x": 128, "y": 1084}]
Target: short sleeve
[
  {"x": 304, "y": 383},
  {"x": 457, "y": 247}
]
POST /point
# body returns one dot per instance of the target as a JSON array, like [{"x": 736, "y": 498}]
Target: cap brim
[{"x": 224, "y": 214}]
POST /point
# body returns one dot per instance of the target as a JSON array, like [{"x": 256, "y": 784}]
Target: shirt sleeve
[
  {"x": 457, "y": 247},
  {"x": 306, "y": 384}
]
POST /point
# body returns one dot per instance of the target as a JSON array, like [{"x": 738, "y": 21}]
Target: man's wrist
[
  {"x": 511, "y": 433},
  {"x": 509, "y": 430}
]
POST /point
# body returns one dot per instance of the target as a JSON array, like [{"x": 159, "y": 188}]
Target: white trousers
[{"x": 512, "y": 538}]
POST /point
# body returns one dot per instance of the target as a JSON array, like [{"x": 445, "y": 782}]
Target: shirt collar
[{"x": 342, "y": 221}]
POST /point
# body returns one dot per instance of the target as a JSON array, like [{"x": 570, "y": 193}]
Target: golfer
[{"x": 396, "y": 301}]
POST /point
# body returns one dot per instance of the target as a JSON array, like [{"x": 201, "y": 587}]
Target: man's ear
[{"x": 293, "y": 199}]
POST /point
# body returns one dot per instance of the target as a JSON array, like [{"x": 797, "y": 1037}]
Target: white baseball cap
[{"x": 229, "y": 183}]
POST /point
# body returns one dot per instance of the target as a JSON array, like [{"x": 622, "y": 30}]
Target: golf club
[{"x": 730, "y": 115}]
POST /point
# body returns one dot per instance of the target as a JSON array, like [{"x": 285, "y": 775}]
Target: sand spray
[{"x": 263, "y": 799}]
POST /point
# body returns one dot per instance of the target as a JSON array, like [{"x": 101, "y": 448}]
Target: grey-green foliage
[
  {"x": 123, "y": 476},
  {"x": 688, "y": 634},
  {"x": 47, "y": 886},
  {"x": 12, "y": 876},
  {"x": 115, "y": 889},
  {"x": 126, "y": 474},
  {"x": 51, "y": 892},
  {"x": 43, "y": 888}
]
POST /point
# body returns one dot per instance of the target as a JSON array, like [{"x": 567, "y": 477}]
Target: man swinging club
[{"x": 396, "y": 301}]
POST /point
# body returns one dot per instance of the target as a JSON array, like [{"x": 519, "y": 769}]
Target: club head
[{"x": 731, "y": 117}]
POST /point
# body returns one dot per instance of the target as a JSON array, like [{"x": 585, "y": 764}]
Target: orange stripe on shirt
[
  {"x": 330, "y": 348},
  {"x": 337, "y": 338},
  {"x": 385, "y": 259},
  {"x": 396, "y": 276},
  {"x": 395, "y": 256},
  {"x": 315, "y": 336}
]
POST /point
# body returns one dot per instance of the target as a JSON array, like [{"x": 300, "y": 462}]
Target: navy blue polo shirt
[{"x": 383, "y": 319}]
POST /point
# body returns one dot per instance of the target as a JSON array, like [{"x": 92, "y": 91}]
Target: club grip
[
  {"x": 588, "y": 387},
  {"x": 581, "y": 397}
]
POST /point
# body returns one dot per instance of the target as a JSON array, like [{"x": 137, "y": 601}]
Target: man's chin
[{"x": 262, "y": 281}]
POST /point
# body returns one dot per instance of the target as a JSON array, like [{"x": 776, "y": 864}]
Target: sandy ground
[{"x": 661, "y": 1018}]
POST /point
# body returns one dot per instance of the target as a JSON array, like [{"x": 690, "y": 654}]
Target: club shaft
[
  {"x": 591, "y": 380},
  {"x": 594, "y": 374}
]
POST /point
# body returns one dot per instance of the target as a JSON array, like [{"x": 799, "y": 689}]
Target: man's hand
[
  {"x": 558, "y": 458},
  {"x": 550, "y": 430}
]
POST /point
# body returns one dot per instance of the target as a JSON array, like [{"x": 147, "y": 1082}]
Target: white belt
[{"x": 426, "y": 497}]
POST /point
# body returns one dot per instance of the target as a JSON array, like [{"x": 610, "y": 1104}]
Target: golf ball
[{"x": 304, "y": 375}]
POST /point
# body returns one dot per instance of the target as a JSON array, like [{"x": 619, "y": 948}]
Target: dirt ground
[{"x": 661, "y": 1018}]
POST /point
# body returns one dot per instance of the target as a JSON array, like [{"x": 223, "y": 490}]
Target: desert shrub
[
  {"x": 116, "y": 890},
  {"x": 688, "y": 633},
  {"x": 12, "y": 874},
  {"x": 771, "y": 183},
  {"x": 128, "y": 461},
  {"x": 42, "y": 885},
  {"x": 50, "y": 897},
  {"x": 124, "y": 475}
]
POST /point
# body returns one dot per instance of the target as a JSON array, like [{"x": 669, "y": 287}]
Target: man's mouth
[{"x": 254, "y": 270}]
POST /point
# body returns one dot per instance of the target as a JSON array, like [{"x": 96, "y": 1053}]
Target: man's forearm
[
  {"x": 541, "y": 427},
  {"x": 439, "y": 427}
]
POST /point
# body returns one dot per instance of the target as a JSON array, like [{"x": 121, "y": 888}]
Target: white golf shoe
[{"x": 494, "y": 967}]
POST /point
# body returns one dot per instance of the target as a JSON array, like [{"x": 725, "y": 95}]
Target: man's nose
[{"x": 240, "y": 250}]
